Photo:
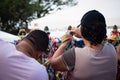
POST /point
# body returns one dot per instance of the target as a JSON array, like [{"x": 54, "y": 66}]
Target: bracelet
[{"x": 66, "y": 39}]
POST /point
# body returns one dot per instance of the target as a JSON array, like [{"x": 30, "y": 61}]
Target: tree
[
  {"x": 13, "y": 12},
  {"x": 46, "y": 6}
]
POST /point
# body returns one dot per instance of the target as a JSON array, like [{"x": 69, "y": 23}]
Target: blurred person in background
[
  {"x": 114, "y": 36},
  {"x": 115, "y": 33}
]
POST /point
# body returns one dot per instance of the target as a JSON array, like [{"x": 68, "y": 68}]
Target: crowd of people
[{"x": 38, "y": 56}]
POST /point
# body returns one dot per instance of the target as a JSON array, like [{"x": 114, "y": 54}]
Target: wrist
[{"x": 64, "y": 44}]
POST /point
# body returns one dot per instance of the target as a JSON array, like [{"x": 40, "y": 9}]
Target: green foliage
[
  {"x": 49, "y": 5},
  {"x": 11, "y": 11},
  {"x": 14, "y": 11}
]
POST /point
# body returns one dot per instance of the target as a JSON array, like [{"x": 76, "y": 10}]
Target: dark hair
[
  {"x": 69, "y": 27},
  {"x": 115, "y": 27},
  {"x": 39, "y": 40},
  {"x": 93, "y": 27},
  {"x": 46, "y": 28}
]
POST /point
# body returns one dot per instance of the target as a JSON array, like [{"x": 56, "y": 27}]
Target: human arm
[
  {"x": 118, "y": 52},
  {"x": 57, "y": 61}
]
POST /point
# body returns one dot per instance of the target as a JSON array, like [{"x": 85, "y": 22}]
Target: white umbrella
[
  {"x": 8, "y": 37},
  {"x": 72, "y": 16}
]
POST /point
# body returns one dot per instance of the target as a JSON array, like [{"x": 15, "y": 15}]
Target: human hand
[
  {"x": 76, "y": 32},
  {"x": 66, "y": 38}
]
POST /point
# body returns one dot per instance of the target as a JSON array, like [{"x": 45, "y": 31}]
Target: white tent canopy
[
  {"x": 72, "y": 16},
  {"x": 8, "y": 37}
]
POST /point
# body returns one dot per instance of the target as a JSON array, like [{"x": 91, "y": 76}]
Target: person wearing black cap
[
  {"x": 20, "y": 62},
  {"x": 95, "y": 61}
]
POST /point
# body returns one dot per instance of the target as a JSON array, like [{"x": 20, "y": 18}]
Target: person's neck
[
  {"x": 96, "y": 47},
  {"x": 25, "y": 48}
]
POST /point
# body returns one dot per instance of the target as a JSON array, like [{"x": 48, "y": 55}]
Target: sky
[
  {"x": 72, "y": 15},
  {"x": 110, "y": 8}
]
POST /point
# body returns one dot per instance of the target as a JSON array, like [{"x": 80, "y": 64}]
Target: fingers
[
  {"x": 66, "y": 37},
  {"x": 76, "y": 32}
]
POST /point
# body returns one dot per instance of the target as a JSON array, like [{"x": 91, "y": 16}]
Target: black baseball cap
[{"x": 92, "y": 17}]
